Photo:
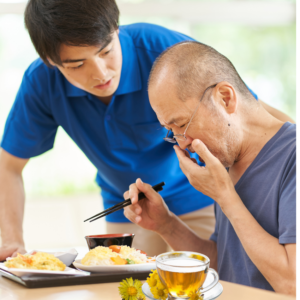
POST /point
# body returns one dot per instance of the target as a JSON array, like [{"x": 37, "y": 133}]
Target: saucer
[{"x": 211, "y": 294}]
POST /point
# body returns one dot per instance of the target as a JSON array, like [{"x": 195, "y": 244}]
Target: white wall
[{"x": 57, "y": 222}]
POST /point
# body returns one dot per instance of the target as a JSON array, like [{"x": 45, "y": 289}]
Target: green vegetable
[{"x": 130, "y": 262}]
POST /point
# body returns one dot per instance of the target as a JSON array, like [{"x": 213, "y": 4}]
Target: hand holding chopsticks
[{"x": 157, "y": 188}]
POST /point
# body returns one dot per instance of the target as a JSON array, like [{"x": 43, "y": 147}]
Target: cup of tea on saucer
[{"x": 184, "y": 273}]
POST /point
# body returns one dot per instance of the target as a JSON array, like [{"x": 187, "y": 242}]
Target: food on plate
[
  {"x": 36, "y": 261},
  {"x": 115, "y": 255}
]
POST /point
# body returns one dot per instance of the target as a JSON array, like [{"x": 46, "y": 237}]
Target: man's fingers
[
  {"x": 187, "y": 154},
  {"x": 149, "y": 192},
  {"x": 11, "y": 252},
  {"x": 184, "y": 161},
  {"x": 203, "y": 152},
  {"x": 194, "y": 160},
  {"x": 126, "y": 195},
  {"x": 15, "y": 254},
  {"x": 131, "y": 215},
  {"x": 4, "y": 254},
  {"x": 133, "y": 193},
  {"x": 138, "y": 219}
]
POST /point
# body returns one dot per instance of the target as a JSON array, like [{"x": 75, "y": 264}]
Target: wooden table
[{"x": 10, "y": 290}]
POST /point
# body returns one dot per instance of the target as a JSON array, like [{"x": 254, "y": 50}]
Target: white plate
[
  {"x": 213, "y": 293},
  {"x": 23, "y": 272},
  {"x": 116, "y": 269}
]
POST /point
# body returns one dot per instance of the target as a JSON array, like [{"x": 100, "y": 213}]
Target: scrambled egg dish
[{"x": 38, "y": 261}]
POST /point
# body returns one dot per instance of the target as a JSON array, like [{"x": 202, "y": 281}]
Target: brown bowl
[{"x": 106, "y": 240}]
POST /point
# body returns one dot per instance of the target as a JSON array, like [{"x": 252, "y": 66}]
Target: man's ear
[{"x": 227, "y": 96}]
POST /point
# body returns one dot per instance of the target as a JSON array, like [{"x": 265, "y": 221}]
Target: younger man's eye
[
  {"x": 108, "y": 51},
  {"x": 74, "y": 68},
  {"x": 182, "y": 125}
]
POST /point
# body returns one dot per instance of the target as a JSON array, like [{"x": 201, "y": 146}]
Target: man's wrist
[
  {"x": 11, "y": 243},
  {"x": 168, "y": 227},
  {"x": 232, "y": 205},
  {"x": 12, "y": 239}
]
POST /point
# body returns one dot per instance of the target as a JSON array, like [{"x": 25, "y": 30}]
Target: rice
[
  {"x": 135, "y": 255},
  {"x": 101, "y": 256}
]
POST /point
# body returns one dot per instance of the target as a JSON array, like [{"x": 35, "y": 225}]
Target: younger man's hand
[{"x": 11, "y": 251}]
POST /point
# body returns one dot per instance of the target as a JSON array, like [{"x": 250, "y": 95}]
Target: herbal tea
[{"x": 182, "y": 276}]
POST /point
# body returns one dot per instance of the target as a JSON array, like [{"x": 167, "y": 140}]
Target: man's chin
[
  {"x": 102, "y": 95},
  {"x": 223, "y": 160},
  {"x": 109, "y": 92},
  {"x": 226, "y": 164}
]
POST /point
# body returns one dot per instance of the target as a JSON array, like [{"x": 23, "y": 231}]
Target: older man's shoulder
[
  {"x": 283, "y": 145},
  {"x": 288, "y": 133}
]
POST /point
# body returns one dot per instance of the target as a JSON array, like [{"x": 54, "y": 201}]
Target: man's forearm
[
  {"x": 263, "y": 249},
  {"x": 12, "y": 207},
  {"x": 181, "y": 238}
]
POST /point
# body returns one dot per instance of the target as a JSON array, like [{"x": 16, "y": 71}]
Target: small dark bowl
[{"x": 106, "y": 240}]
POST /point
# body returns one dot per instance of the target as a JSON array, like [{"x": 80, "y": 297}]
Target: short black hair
[
  {"x": 51, "y": 23},
  {"x": 195, "y": 66}
]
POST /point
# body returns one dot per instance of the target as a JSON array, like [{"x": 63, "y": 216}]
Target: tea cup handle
[{"x": 214, "y": 283}]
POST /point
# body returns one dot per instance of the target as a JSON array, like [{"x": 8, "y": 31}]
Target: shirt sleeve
[
  {"x": 30, "y": 128},
  {"x": 287, "y": 204}
]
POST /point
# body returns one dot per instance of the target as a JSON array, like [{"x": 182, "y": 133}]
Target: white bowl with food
[{"x": 115, "y": 259}]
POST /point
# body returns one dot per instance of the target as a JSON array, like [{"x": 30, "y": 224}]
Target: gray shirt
[{"x": 268, "y": 190}]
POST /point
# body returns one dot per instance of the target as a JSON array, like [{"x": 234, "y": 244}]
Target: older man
[{"x": 199, "y": 97}]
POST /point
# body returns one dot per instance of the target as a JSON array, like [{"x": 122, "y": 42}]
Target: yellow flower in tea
[
  {"x": 131, "y": 289},
  {"x": 195, "y": 295},
  {"x": 159, "y": 294}
]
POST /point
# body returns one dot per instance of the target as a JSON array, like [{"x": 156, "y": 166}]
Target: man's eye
[
  {"x": 108, "y": 51},
  {"x": 163, "y": 126},
  {"x": 74, "y": 68},
  {"x": 182, "y": 125}
]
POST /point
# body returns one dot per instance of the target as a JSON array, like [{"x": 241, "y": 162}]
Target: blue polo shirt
[{"x": 124, "y": 140}]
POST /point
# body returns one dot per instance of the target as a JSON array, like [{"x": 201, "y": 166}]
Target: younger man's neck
[{"x": 105, "y": 100}]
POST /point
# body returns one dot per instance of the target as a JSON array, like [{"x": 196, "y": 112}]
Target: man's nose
[
  {"x": 99, "y": 70},
  {"x": 184, "y": 144}
]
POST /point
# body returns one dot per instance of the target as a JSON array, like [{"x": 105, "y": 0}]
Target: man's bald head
[{"x": 190, "y": 67}]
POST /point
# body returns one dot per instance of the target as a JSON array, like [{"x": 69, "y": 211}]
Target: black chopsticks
[{"x": 157, "y": 188}]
